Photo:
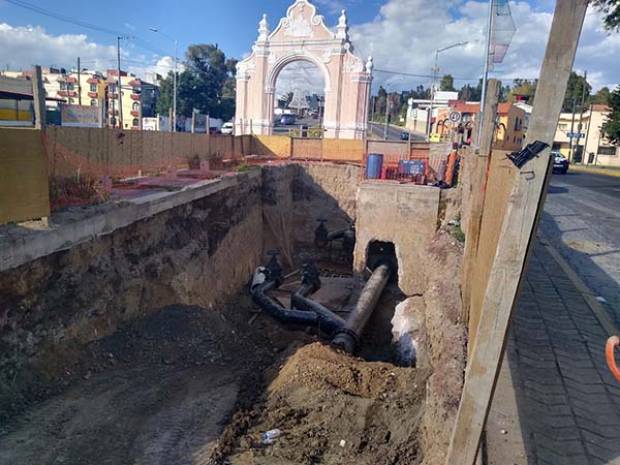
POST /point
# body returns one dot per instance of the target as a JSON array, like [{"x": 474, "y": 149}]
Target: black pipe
[
  {"x": 277, "y": 311},
  {"x": 329, "y": 322},
  {"x": 348, "y": 338}
]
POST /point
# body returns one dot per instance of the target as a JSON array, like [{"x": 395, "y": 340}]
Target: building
[
  {"x": 589, "y": 145},
  {"x": 139, "y": 99},
  {"x": 417, "y": 113},
  {"x": 510, "y": 132}
]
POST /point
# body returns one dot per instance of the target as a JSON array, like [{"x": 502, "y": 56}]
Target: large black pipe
[
  {"x": 277, "y": 311},
  {"x": 329, "y": 322},
  {"x": 348, "y": 338}
]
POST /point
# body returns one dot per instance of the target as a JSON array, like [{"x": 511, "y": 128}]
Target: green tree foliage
[
  {"x": 524, "y": 90},
  {"x": 577, "y": 84},
  {"x": 602, "y": 96},
  {"x": 470, "y": 93},
  {"x": 611, "y": 127},
  {"x": 447, "y": 83},
  {"x": 207, "y": 84},
  {"x": 611, "y": 10}
]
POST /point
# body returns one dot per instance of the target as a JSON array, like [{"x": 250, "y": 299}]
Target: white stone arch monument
[{"x": 303, "y": 36}]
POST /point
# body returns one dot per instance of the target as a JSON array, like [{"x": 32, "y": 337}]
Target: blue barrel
[
  {"x": 405, "y": 167},
  {"x": 374, "y": 167}
]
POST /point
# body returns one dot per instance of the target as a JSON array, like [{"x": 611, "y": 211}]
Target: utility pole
[
  {"x": 79, "y": 69},
  {"x": 485, "y": 77},
  {"x": 175, "y": 78},
  {"x": 580, "y": 125},
  {"x": 429, "y": 123},
  {"x": 118, "y": 87},
  {"x": 572, "y": 129},
  {"x": 387, "y": 115}
]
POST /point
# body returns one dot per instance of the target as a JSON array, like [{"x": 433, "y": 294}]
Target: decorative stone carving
[
  {"x": 343, "y": 29},
  {"x": 298, "y": 27},
  {"x": 369, "y": 65},
  {"x": 263, "y": 29}
]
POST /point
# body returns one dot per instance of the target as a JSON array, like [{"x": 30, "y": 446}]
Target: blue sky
[
  {"x": 230, "y": 23},
  {"x": 400, "y": 34}
]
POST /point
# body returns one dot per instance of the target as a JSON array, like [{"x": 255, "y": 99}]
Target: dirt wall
[
  {"x": 195, "y": 254},
  {"x": 295, "y": 196}
]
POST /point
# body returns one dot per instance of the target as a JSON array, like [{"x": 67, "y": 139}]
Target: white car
[{"x": 228, "y": 128}]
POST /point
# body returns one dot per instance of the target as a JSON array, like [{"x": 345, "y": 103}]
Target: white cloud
[
  {"x": 22, "y": 47},
  {"x": 407, "y": 32}
]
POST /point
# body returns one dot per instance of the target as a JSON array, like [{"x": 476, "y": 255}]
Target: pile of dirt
[
  {"x": 331, "y": 408},
  {"x": 157, "y": 391}
]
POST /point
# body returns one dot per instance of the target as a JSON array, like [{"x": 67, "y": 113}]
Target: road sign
[
  {"x": 575, "y": 135},
  {"x": 455, "y": 117}
]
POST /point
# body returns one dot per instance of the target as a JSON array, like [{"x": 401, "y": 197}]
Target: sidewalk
[
  {"x": 556, "y": 402},
  {"x": 613, "y": 172}
]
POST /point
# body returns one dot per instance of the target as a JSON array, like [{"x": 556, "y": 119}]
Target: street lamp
[
  {"x": 174, "y": 91},
  {"x": 429, "y": 123}
]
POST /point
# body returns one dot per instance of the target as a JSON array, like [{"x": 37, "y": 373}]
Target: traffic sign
[
  {"x": 455, "y": 117},
  {"x": 575, "y": 135}
]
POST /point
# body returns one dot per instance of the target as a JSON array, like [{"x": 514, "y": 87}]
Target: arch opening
[{"x": 299, "y": 99}]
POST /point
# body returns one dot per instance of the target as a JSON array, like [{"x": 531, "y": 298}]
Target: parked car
[
  {"x": 404, "y": 135},
  {"x": 287, "y": 120},
  {"x": 560, "y": 163},
  {"x": 228, "y": 128}
]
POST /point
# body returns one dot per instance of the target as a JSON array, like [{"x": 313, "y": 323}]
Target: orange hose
[{"x": 610, "y": 353}]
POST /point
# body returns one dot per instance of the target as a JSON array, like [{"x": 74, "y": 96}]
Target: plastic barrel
[{"x": 374, "y": 166}]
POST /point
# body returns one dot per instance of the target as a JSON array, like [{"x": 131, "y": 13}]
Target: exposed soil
[
  {"x": 162, "y": 389},
  {"x": 331, "y": 409},
  {"x": 158, "y": 391}
]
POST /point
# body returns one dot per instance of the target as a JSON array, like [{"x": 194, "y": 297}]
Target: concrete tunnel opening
[{"x": 166, "y": 297}]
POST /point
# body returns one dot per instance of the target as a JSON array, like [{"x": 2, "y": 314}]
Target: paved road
[
  {"x": 377, "y": 130},
  {"x": 582, "y": 221}
]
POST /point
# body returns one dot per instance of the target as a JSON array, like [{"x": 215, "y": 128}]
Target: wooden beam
[
  {"x": 520, "y": 222},
  {"x": 38, "y": 93},
  {"x": 480, "y": 161}
]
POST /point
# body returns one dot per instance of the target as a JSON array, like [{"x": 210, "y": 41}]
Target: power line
[
  {"x": 423, "y": 76},
  {"x": 83, "y": 24}
]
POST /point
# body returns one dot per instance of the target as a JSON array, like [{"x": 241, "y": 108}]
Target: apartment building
[
  {"x": 589, "y": 145},
  {"x": 139, "y": 99}
]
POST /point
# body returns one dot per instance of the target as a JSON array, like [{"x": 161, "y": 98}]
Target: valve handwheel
[{"x": 610, "y": 353}]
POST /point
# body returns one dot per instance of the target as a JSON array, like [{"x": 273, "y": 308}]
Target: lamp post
[
  {"x": 429, "y": 123},
  {"x": 174, "y": 82}
]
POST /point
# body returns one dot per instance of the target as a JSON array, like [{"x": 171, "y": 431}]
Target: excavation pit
[{"x": 143, "y": 345}]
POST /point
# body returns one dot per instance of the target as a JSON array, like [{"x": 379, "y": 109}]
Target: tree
[
  {"x": 470, "y": 93},
  {"x": 207, "y": 84},
  {"x": 447, "y": 83},
  {"x": 602, "y": 96},
  {"x": 577, "y": 84},
  {"x": 611, "y": 10},
  {"x": 523, "y": 90},
  {"x": 611, "y": 126}
]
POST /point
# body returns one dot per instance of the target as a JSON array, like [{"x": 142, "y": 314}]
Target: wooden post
[
  {"x": 38, "y": 93},
  {"x": 480, "y": 161},
  {"x": 518, "y": 229}
]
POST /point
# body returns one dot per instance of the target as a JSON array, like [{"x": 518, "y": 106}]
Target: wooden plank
[
  {"x": 518, "y": 229},
  {"x": 480, "y": 161},
  {"x": 24, "y": 188},
  {"x": 502, "y": 176}
]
